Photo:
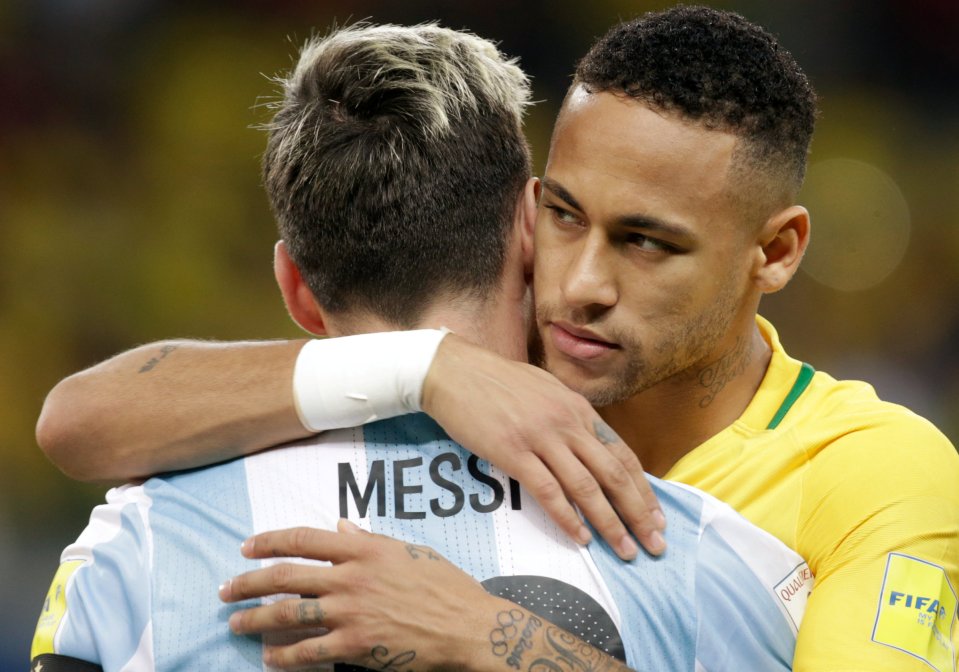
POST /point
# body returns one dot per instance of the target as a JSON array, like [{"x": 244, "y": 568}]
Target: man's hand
[
  {"x": 547, "y": 437},
  {"x": 387, "y": 604}
]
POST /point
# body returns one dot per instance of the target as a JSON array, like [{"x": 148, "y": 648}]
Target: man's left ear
[
  {"x": 300, "y": 302},
  {"x": 527, "y": 211},
  {"x": 783, "y": 240}
]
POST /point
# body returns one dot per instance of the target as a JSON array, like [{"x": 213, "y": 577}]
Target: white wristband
[{"x": 351, "y": 380}]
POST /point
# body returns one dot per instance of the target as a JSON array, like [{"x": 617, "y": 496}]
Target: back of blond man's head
[{"x": 394, "y": 163}]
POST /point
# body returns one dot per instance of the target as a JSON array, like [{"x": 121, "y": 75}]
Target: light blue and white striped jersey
[{"x": 142, "y": 593}]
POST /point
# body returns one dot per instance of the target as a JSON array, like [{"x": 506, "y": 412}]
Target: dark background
[{"x": 130, "y": 206}]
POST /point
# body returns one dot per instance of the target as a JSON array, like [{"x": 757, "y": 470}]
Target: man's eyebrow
[
  {"x": 645, "y": 222},
  {"x": 561, "y": 191},
  {"x": 654, "y": 224}
]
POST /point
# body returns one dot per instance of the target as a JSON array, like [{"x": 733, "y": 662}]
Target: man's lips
[{"x": 578, "y": 343}]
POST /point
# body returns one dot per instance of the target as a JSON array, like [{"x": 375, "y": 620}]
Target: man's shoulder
[{"x": 849, "y": 414}]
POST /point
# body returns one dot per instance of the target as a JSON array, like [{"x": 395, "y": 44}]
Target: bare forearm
[{"x": 171, "y": 405}]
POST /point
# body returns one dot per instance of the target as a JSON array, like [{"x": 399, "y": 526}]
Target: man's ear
[
  {"x": 783, "y": 241},
  {"x": 527, "y": 211},
  {"x": 299, "y": 300}
]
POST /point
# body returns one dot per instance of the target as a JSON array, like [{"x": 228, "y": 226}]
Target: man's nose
[{"x": 589, "y": 280}]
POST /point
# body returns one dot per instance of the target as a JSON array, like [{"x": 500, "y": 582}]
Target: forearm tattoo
[
  {"x": 151, "y": 364},
  {"x": 533, "y": 645}
]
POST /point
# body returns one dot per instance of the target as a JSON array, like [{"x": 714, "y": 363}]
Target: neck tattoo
[{"x": 715, "y": 376}]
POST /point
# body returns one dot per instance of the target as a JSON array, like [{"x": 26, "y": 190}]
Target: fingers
[
  {"x": 302, "y": 542},
  {"x": 643, "y": 516},
  {"x": 333, "y": 647},
  {"x": 622, "y": 483},
  {"x": 282, "y": 578},
  {"x": 282, "y": 616},
  {"x": 304, "y": 654},
  {"x": 592, "y": 485},
  {"x": 541, "y": 482}
]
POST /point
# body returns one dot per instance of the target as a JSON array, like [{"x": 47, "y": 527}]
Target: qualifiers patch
[
  {"x": 793, "y": 592},
  {"x": 917, "y": 610},
  {"x": 54, "y": 609}
]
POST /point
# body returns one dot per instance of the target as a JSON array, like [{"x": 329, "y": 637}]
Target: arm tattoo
[
  {"x": 150, "y": 365},
  {"x": 569, "y": 653},
  {"x": 417, "y": 552},
  {"x": 554, "y": 650},
  {"x": 309, "y": 612},
  {"x": 605, "y": 433}
]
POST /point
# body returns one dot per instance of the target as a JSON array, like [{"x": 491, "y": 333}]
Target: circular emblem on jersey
[{"x": 563, "y": 605}]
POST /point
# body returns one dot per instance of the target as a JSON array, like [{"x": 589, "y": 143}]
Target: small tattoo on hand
[
  {"x": 417, "y": 552},
  {"x": 309, "y": 612},
  {"x": 605, "y": 433},
  {"x": 387, "y": 661}
]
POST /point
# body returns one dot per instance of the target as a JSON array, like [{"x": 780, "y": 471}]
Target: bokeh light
[{"x": 860, "y": 225}]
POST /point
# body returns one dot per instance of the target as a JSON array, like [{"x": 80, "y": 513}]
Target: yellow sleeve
[{"x": 879, "y": 526}]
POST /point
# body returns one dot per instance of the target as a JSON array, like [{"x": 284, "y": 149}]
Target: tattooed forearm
[
  {"x": 569, "y": 653},
  {"x": 151, "y": 364},
  {"x": 715, "y": 376},
  {"x": 605, "y": 433},
  {"x": 550, "y": 649}
]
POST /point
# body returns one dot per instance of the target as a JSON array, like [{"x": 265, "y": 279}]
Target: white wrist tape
[{"x": 351, "y": 380}]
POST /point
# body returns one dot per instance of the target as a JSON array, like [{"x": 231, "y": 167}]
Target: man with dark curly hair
[{"x": 667, "y": 210}]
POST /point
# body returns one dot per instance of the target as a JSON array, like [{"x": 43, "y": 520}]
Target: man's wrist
[{"x": 352, "y": 380}]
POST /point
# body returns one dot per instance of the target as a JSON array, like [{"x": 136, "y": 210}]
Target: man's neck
[
  {"x": 665, "y": 422},
  {"x": 499, "y": 324}
]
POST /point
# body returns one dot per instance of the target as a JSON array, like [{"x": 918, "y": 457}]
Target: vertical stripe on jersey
[
  {"x": 741, "y": 625},
  {"x": 648, "y": 613},
  {"x": 199, "y": 519}
]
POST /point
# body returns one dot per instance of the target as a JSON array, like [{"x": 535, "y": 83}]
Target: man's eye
[
  {"x": 562, "y": 215},
  {"x": 650, "y": 244}
]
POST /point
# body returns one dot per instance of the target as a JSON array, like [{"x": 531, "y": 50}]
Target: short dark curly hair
[{"x": 717, "y": 68}]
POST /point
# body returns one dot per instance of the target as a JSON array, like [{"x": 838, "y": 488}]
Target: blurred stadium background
[{"x": 130, "y": 206}]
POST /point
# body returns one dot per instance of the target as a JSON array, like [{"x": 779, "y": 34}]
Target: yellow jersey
[{"x": 867, "y": 492}]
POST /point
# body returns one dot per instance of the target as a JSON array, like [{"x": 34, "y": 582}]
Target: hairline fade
[{"x": 717, "y": 69}]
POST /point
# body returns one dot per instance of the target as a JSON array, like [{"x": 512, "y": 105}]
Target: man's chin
[{"x": 598, "y": 389}]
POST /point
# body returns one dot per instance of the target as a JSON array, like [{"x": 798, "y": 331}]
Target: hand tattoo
[
  {"x": 381, "y": 655},
  {"x": 309, "y": 612},
  {"x": 150, "y": 365},
  {"x": 605, "y": 433},
  {"x": 417, "y": 552}
]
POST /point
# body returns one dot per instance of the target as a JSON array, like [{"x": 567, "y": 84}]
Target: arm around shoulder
[{"x": 170, "y": 405}]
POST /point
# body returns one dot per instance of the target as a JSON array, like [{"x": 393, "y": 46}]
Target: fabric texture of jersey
[
  {"x": 868, "y": 493},
  {"x": 138, "y": 589}
]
